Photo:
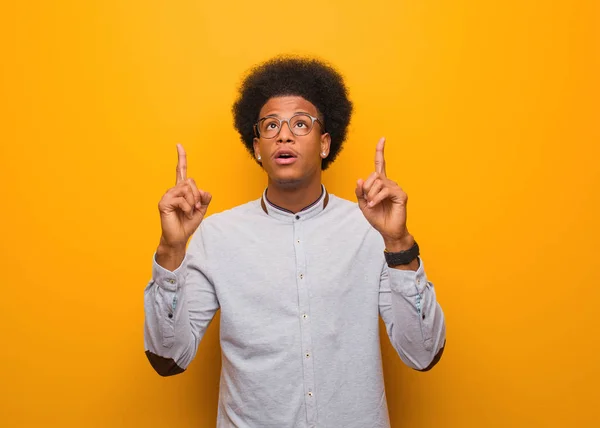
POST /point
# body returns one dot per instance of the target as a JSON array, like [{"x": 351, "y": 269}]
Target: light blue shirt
[{"x": 300, "y": 298}]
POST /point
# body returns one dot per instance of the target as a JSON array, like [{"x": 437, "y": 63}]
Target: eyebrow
[{"x": 275, "y": 115}]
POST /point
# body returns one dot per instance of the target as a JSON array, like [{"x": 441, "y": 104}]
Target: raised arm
[
  {"x": 407, "y": 302},
  {"x": 179, "y": 300}
]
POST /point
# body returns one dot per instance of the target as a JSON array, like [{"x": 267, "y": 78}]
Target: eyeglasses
[{"x": 300, "y": 124}]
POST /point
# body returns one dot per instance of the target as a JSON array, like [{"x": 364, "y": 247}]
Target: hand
[
  {"x": 383, "y": 204},
  {"x": 182, "y": 207}
]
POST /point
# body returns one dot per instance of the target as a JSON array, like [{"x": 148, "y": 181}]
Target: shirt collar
[{"x": 307, "y": 212}]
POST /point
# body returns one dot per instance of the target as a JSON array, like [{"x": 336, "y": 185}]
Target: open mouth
[{"x": 285, "y": 158}]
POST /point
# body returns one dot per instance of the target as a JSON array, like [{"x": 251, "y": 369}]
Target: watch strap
[{"x": 402, "y": 257}]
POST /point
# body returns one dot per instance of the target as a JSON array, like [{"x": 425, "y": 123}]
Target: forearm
[
  {"x": 179, "y": 304},
  {"x": 169, "y": 340},
  {"x": 414, "y": 319},
  {"x": 422, "y": 328}
]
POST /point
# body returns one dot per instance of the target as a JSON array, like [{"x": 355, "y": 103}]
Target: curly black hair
[{"x": 310, "y": 78}]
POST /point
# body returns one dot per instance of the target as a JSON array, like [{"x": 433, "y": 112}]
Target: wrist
[
  {"x": 414, "y": 266},
  {"x": 402, "y": 254},
  {"x": 395, "y": 245},
  {"x": 169, "y": 247},
  {"x": 170, "y": 257}
]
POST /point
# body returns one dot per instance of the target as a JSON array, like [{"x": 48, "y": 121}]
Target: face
[{"x": 291, "y": 160}]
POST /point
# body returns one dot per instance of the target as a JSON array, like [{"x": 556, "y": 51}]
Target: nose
[{"x": 285, "y": 133}]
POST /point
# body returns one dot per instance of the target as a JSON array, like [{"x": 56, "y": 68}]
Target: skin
[
  {"x": 297, "y": 185},
  {"x": 383, "y": 203},
  {"x": 294, "y": 186}
]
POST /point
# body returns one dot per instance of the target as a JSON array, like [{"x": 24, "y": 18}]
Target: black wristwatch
[{"x": 402, "y": 257}]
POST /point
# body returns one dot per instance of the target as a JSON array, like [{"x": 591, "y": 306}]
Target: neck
[{"x": 293, "y": 198}]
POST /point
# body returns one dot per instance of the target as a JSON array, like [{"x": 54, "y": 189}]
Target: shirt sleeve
[
  {"x": 413, "y": 318},
  {"x": 179, "y": 305}
]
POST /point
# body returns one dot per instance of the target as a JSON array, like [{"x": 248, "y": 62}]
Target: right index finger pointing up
[{"x": 181, "y": 164}]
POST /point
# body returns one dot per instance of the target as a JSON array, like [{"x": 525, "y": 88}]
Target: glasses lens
[
  {"x": 301, "y": 124},
  {"x": 268, "y": 127}
]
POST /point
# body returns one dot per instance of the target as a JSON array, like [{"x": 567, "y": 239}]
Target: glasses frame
[{"x": 282, "y": 121}]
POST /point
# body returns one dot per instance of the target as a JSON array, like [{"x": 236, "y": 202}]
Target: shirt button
[
  {"x": 297, "y": 217},
  {"x": 418, "y": 281},
  {"x": 298, "y": 241},
  {"x": 310, "y": 394},
  {"x": 171, "y": 281},
  {"x": 304, "y": 316},
  {"x": 307, "y": 355},
  {"x": 170, "y": 315},
  {"x": 301, "y": 276}
]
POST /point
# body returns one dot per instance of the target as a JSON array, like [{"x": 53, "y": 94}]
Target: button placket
[{"x": 304, "y": 311}]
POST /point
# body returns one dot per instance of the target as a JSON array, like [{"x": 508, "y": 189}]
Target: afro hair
[{"x": 309, "y": 78}]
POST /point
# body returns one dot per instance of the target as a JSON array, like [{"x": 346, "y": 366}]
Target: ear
[
  {"x": 325, "y": 144},
  {"x": 256, "y": 147}
]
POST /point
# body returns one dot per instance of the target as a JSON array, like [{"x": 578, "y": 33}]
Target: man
[{"x": 300, "y": 275}]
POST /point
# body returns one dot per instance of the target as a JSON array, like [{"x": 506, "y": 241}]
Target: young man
[{"x": 300, "y": 275}]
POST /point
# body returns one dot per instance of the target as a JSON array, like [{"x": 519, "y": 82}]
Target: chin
[
  {"x": 287, "y": 182},
  {"x": 287, "y": 179}
]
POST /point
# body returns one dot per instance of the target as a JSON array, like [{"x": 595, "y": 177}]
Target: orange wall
[{"x": 491, "y": 113}]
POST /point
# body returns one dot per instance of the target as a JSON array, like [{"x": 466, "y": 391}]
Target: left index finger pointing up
[{"x": 379, "y": 158}]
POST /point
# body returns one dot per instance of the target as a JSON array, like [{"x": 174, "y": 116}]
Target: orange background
[{"x": 491, "y": 111}]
